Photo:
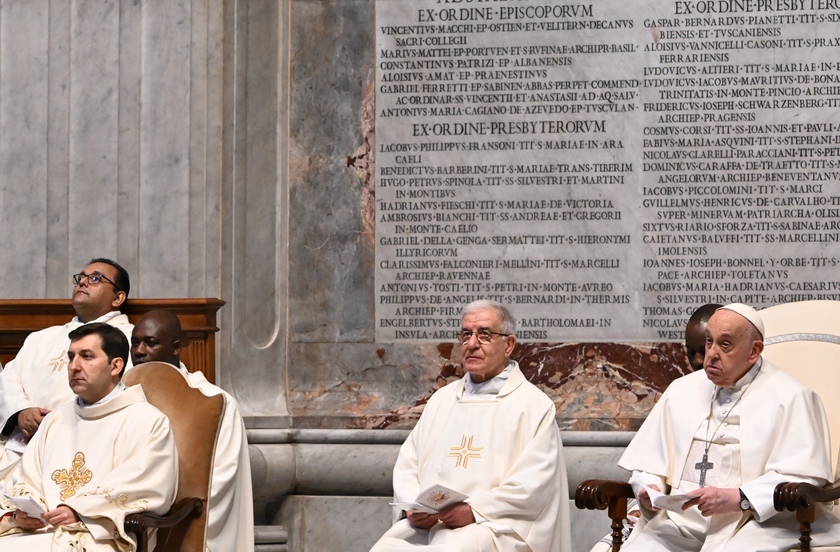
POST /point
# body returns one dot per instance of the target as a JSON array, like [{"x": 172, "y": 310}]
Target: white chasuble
[
  {"x": 230, "y": 518},
  {"x": 504, "y": 453},
  {"x": 104, "y": 461},
  {"x": 37, "y": 376},
  {"x": 778, "y": 432}
]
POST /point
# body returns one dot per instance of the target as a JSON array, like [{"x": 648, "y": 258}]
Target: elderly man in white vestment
[
  {"x": 695, "y": 348},
  {"x": 95, "y": 459},
  {"x": 491, "y": 436},
  {"x": 158, "y": 336},
  {"x": 726, "y": 437},
  {"x": 34, "y": 383}
]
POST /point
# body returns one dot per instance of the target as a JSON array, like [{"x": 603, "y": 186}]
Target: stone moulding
[{"x": 360, "y": 462}]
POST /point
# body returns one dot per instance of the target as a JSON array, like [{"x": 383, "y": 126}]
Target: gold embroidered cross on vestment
[
  {"x": 463, "y": 452},
  {"x": 72, "y": 481}
]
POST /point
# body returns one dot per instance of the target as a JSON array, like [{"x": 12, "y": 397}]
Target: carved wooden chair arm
[
  {"x": 603, "y": 494},
  {"x": 801, "y": 496},
  {"x": 595, "y": 494},
  {"x": 138, "y": 524},
  {"x": 802, "y": 499}
]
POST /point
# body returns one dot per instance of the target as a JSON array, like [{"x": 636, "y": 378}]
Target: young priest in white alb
[
  {"x": 35, "y": 382},
  {"x": 95, "y": 459}
]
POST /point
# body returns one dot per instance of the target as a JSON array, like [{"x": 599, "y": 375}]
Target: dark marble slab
[{"x": 595, "y": 386}]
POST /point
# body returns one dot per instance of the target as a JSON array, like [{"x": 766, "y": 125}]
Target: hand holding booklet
[
  {"x": 432, "y": 500},
  {"x": 27, "y": 504},
  {"x": 17, "y": 442},
  {"x": 672, "y": 503}
]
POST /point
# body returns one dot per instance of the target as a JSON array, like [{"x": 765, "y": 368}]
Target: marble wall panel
[
  {"x": 254, "y": 205},
  {"x": 594, "y": 386},
  {"x": 129, "y": 167},
  {"x": 337, "y": 383},
  {"x": 226, "y": 148},
  {"x": 105, "y": 128},
  {"x": 93, "y": 130},
  {"x": 24, "y": 52},
  {"x": 164, "y": 148},
  {"x": 347, "y": 523},
  {"x": 206, "y": 140},
  {"x": 337, "y": 375},
  {"x": 261, "y": 198},
  {"x": 331, "y": 281},
  {"x": 58, "y": 150}
]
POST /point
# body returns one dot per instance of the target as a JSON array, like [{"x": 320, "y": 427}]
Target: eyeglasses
[
  {"x": 93, "y": 279},
  {"x": 483, "y": 335}
]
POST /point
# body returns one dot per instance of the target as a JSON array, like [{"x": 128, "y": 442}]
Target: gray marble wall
[
  {"x": 111, "y": 143},
  {"x": 154, "y": 133},
  {"x": 226, "y": 148}
]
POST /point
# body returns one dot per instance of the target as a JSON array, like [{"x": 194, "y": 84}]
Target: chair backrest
[
  {"x": 195, "y": 420},
  {"x": 803, "y": 339}
]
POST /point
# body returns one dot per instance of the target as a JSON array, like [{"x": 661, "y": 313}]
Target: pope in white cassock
[
  {"x": 726, "y": 436},
  {"x": 35, "y": 382},
  {"x": 95, "y": 459},
  {"x": 492, "y": 436},
  {"x": 157, "y": 336}
]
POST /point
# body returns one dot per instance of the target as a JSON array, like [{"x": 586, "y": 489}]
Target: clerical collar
[
  {"x": 114, "y": 392},
  {"x": 104, "y": 318},
  {"x": 489, "y": 387},
  {"x": 747, "y": 378}
]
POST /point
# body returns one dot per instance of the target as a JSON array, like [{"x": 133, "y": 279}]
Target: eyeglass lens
[
  {"x": 91, "y": 278},
  {"x": 483, "y": 336}
]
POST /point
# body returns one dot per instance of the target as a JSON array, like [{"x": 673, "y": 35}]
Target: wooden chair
[
  {"x": 195, "y": 420},
  {"x": 603, "y": 494},
  {"x": 802, "y": 339}
]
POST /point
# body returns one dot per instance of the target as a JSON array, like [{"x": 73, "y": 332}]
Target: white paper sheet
[{"x": 671, "y": 503}]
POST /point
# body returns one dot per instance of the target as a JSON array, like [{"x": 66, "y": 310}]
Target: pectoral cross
[{"x": 703, "y": 466}]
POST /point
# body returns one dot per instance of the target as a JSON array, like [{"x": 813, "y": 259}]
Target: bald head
[{"x": 157, "y": 336}]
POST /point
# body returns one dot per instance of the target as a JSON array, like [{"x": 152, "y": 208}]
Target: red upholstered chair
[{"x": 195, "y": 420}]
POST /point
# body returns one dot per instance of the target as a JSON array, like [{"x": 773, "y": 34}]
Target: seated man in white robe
[
  {"x": 34, "y": 383},
  {"x": 95, "y": 459},
  {"x": 157, "y": 336},
  {"x": 695, "y": 349},
  {"x": 491, "y": 436},
  {"x": 726, "y": 437}
]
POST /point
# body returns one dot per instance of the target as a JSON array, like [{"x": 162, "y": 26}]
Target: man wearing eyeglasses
[
  {"x": 35, "y": 382},
  {"x": 491, "y": 436}
]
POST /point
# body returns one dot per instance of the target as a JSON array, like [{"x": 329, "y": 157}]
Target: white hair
[{"x": 508, "y": 321}]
